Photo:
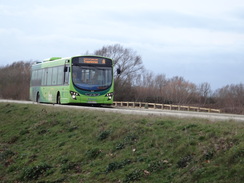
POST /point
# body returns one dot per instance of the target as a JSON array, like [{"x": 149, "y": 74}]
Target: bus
[{"x": 73, "y": 80}]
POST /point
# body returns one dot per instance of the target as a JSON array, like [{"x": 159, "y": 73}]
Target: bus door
[{"x": 66, "y": 74}]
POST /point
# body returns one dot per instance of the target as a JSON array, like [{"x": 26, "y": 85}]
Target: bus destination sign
[{"x": 92, "y": 61}]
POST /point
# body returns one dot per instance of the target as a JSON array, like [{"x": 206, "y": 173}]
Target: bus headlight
[
  {"x": 109, "y": 95},
  {"x": 74, "y": 94}
]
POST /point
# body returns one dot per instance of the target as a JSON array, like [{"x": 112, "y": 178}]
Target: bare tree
[
  {"x": 204, "y": 90},
  {"x": 231, "y": 98},
  {"x": 180, "y": 91},
  {"x": 124, "y": 58},
  {"x": 145, "y": 87},
  {"x": 15, "y": 81}
]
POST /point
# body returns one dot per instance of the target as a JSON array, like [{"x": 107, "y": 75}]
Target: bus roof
[
  {"x": 61, "y": 58},
  {"x": 52, "y": 59}
]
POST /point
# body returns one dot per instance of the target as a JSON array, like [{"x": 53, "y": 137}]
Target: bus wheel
[
  {"x": 38, "y": 97},
  {"x": 58, "y": 99}
]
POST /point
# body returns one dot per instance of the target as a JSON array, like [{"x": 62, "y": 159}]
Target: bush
[
  {"x": 103, "y": 135},
  {"x": 34, "y": 172}
]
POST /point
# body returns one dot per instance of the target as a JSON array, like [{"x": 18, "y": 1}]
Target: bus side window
[
  {"x": 60, "y": 75},
  {"x": 49, "y": 76},
  {"x": 44, "y": 77},
  {"x": 33, "y": 78},
  {"x": 54, "y": 76},
  {"x": 39, "y": 77}
]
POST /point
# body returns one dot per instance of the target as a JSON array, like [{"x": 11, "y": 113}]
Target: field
[{"x": 49, "y": 145}]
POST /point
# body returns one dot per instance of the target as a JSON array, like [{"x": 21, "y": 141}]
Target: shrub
[
  {"x": 103, "y": 135},
  {"x": 133, "y": 176},
  {"x": 93, "y": 153},
  {"x": 34, "y": 172}
]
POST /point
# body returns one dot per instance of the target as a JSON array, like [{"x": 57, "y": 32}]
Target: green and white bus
[{"x": 78, "y": 79}]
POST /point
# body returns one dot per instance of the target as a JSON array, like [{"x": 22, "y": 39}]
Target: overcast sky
[{"x": 202, "y": 41}]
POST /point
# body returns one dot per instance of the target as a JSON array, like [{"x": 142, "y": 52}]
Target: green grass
[{"x": 49, "y": 145}]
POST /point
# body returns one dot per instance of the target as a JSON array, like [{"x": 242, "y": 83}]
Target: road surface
[{"x": 149, "y": 112}]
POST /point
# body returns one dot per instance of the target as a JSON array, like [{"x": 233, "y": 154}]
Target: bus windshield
[{"x": 92, "y": 78}]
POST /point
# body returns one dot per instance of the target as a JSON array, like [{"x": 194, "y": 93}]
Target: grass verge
[{"x": 49, "y": 145}]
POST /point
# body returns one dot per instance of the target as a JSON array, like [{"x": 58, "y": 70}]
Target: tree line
[
  {"x": 135, "y": 83},
  {"x": 15, "y": 80}
]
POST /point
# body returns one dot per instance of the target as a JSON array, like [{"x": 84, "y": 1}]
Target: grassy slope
[{"x": 47, "y": 144}]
